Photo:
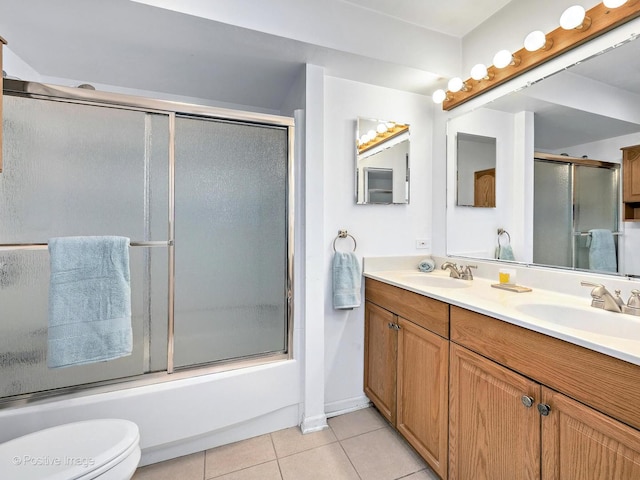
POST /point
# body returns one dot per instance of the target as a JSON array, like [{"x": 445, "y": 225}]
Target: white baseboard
[{"x": 341, "y": 407}]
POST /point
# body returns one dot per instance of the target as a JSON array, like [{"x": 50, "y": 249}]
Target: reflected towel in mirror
[
  {"x": 602, "y": 250},
  {"x": 504, "y": 252}
]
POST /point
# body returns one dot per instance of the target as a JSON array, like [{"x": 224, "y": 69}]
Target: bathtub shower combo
[{"x": 204, "y": 194}]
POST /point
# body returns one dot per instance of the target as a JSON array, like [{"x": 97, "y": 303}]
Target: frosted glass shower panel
[
  {"x": 596, "y": 206},
  {"x": 552, "y": 218},
  {"x": 74, "y": 169},
  {"x": 231, "y": 240}
]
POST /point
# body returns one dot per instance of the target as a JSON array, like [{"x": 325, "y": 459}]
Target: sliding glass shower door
[
  {"x": 203, "y": 194},
  {"x": 569, "y": 200},
  {"x": 230, "y": 241}
]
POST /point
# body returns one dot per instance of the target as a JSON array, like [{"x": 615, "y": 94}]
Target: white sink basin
[
  {"x": 586, "y": 319},
  {"x": 435, "y": 280}
]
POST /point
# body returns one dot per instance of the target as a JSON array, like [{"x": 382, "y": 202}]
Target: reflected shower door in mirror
[
  {"x": 476, "y": 157},
  {"x": 382, "y": 162},
  {"x": 587, "y": 110},
  {"x": 571, "y": 198}
]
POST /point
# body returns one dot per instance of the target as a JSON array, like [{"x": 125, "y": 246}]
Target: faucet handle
[
  {"x": 634, "y": 299},
  {"x": 466, "y": 271},
  {"x": 598, "y": 288}
]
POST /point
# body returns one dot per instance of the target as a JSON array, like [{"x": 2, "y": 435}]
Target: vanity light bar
[{"x": 559, "y": 41}]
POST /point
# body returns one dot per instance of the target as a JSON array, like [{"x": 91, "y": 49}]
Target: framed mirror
[
  {"x": 476, "y": 170},
  {"x": 574, "y": 122},
  {"x": 382, "y": 162}
]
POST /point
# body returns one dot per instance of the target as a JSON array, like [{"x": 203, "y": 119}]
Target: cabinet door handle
[
  {"x": 544, "y": 409},
  {"x": 396, "y": 326},
  {"x": 527, "y": 401},
  {"x": 390, "y": 325}
]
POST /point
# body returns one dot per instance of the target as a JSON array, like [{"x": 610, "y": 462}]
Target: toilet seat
[{"x": 75, "y": 451}]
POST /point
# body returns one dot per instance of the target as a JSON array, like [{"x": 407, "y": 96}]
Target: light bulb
[
  {"x": 614, "y": 3},
  {"x": 455, "y": 84},
  {"x": 382, "y": 128},
  {"x": 535, "y": 41},
  {"x": 572, "y": 17},
  {"x": 439, "y": 96},
  {"x": 503, "y": 59},
  {"x": 479, "y": 71}
]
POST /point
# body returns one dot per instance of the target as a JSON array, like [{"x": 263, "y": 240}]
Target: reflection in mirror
[
  {"x": 572, "y": 197},
  {"x": 382, "y": 162},
  {"x": 587, "y": 111},
  {"x": 476, "y": 162}
]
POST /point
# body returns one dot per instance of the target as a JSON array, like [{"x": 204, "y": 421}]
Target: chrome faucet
[
  {"x": 602, "y": 298},
  {"x": 459, "y": 271}
]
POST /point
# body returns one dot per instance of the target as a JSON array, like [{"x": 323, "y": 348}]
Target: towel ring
[
  {"x": 502, "y": 231},
  {"x": 344, "y": 234}
]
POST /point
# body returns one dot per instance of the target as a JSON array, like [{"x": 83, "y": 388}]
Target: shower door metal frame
[{"x": 171, "y": 109}]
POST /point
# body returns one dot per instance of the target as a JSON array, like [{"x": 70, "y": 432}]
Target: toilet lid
[{"x": 67, "y": 452}]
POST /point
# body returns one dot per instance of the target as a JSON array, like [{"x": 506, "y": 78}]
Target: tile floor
[{"x": 359, "y": 446}]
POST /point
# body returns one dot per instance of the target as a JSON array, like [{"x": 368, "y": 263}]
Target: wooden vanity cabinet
[
  {"x": 631, "y": 182},
  {"x": 492, "y": 434},
  {"x": 406, "y": 367},
  {"x": 507, "y": 423},
  {"x": 380, "y": 366}
]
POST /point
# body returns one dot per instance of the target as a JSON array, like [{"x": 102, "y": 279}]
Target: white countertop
[{"x": 563, "y": 316}]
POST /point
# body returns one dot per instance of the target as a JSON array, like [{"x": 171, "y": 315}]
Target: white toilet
[{"x": 105, "y": 449}]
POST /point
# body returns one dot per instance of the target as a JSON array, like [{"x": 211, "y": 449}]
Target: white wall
[{"x": 380, "y": 230}]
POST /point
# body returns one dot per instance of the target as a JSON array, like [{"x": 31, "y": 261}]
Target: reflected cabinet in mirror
[
  {"x": 476, "y": 156},
  {"x": 382, "y": 162},
  {"x": 559, "y": 145}
]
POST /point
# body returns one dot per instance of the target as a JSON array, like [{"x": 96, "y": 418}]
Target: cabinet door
[
  {"x": 581, "y": 443},
  {"x": 422, "y": 409},
  {"x": 631, "y": 174},
  {"x": 380, "y": 359},
  {"x": 492, "y": 434}
]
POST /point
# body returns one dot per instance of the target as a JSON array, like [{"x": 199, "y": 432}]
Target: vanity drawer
[
  {"x": 607, "y": 384},
  {"x": 424, "y": 311}
]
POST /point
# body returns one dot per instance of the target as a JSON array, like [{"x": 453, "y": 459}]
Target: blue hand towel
[
  {"x": 89, "y": 300},
  {"x": 347, "y": 278},
  {"x": 602, "y": 251}
]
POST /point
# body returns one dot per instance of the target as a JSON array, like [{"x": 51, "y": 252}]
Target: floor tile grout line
[
  {"x": 275, "y": 452},
  {"x": 204, "y": 467},
  {"x": 349, "y": 458}
]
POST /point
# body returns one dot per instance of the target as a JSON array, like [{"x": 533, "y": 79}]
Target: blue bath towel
[
  {"x": 89, "y": 300},
  {"x": 602, "y": 251},
  {"x": 347, "y": 278}
]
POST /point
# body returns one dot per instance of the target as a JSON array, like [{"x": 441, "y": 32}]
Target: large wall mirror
[
  {"x": 558, "y": 157},
  {"x": 382, "y": 162}
]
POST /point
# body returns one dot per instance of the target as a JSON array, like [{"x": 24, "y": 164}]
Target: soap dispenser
[{"x": 633, "y": 305}]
